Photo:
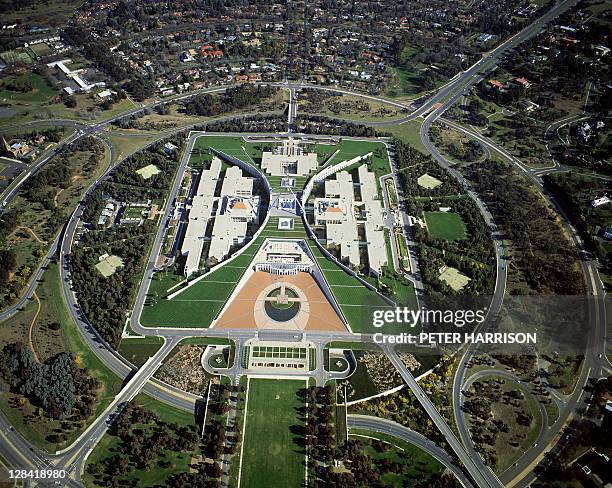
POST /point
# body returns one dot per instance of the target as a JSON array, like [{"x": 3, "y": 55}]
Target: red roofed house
[
  {"x": 496, "y": 84},
  {"x": 524, "y": 82}
]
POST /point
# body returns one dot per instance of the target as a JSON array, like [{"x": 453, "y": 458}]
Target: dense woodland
[
  {"x": 58, "y": 386},
  {"x": 236, "y": 98},
  {"x": 542, "y": 254},
  {"x": 313, "y": 124},
  {"x": 251, "y": 123},
  {"x": 106, "y": 301},
  {"x": 575, "y": 192}
]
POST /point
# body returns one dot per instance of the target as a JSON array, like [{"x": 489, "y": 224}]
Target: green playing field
[{"x": 445, "y": 225}]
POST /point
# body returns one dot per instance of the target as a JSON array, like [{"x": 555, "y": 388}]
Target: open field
[
  {"x": 428, "y": 182},
  {"x": 511, "y": 445},
  {"x": 40, "y": 104},
  {"x": 445, "y": 225},
  {"x": 41, "y": 91},
  {"x": 408, "y": 132},
  {"x": 273, "y": 451},
  {"x": 51, "y": 13},
  {"x": 126, "y": 145},
  {"x": 109, "y": 265},
  {"x": 352, "y": 107}
]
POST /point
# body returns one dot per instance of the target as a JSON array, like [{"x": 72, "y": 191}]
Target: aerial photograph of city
[{"x": 306, "y": 243}]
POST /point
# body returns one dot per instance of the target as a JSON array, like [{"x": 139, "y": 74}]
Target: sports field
[
  {"x": 454, "y": 278},
  {"x": 109, "y": 265},
  {"x": 445, "y": 225},
  {"x": 148, "y": 171},
  {"x": 272, "y": 453},
  {"x": 429, "y": 182}
]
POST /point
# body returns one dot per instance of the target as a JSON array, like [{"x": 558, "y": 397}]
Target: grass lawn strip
[
  {"x": 421, "y": 467},
  {"x": 270, "y": 454}
]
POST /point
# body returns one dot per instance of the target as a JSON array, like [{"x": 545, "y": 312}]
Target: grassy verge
[
  {"x": 408, "y": 132},
  {"x": 417, "y": 465},
  {"x": 138, "y": 350}
]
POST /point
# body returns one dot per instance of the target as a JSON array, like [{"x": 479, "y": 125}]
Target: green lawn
[
  {"x": 272, "y": 454},
  {"x": 349, "y": 149},
  {"x": 41, "y": 91},
  {"x": 138, "y": 350},
  {"x": 408, "y": 132},
  {"x": 445, "y": 225},
  {"x": 126, "y": 145}
]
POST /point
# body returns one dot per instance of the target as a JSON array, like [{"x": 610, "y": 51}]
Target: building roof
[
  {"x": 337, "y": 211},
  {"x": 234, "y": 183},
  {"x": 288, "y": 159},
  {"x": 199, "y": 215}
]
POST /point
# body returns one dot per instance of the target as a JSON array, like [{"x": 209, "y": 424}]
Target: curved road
[
  {"x": 388, "y": 427},
  {"x": 595, "y": 364}
]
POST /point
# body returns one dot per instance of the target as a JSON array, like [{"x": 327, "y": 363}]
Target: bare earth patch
[{"x": 184, "y": 370}]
